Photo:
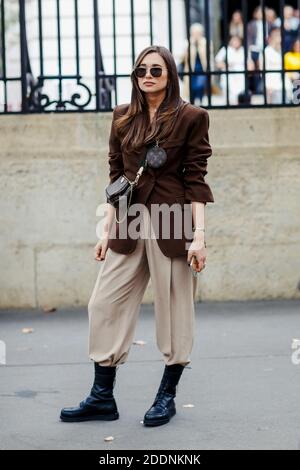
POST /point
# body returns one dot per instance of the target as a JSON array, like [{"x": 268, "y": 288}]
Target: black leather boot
[
  {"x": 163, "y": 407},
  {"x": 100, "y": 404}
]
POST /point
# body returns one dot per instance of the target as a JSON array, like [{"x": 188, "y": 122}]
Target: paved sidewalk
[{"x": 241, "y": 381}]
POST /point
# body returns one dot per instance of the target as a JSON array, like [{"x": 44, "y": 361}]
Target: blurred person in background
[
  {"x": 273, "y": 61},
  {"x": 255, "y": 30},
  {"x": 236, "y": 62},
  {"x": 256, "y": 43},
  {"x": 291, "y": 26},
  {"x": 292, "y": 61},
  {"x": 198, "y": 62},
  {"x": 271, "y": 16},
  {"x": 236, "y": 25}
]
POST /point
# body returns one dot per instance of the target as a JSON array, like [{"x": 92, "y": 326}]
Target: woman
[{"x": 156, "y": 114}]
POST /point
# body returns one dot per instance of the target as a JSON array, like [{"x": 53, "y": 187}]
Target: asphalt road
[{"x": 242, "y": 381}]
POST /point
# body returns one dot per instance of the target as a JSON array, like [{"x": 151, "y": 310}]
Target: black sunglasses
[{"x": 141, "y": 71}]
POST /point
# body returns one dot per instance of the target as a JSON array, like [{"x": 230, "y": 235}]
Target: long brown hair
[{"x": 132, "y": 126}]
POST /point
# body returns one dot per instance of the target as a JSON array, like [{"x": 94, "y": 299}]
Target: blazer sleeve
[
  {"x": 197, "y": 151},
  {"x": 115, "y": 159}
]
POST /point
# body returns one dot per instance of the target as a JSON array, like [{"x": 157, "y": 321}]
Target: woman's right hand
[{"x": 101, "y": 248}]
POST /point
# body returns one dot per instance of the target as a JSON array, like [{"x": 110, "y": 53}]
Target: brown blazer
[{"x": 179, "y": 180}]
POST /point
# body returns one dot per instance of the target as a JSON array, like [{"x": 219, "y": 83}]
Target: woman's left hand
[{"x": 197, "y": 253}]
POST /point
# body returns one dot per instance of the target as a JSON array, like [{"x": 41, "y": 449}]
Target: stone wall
[{"x": 53, "y": 174}]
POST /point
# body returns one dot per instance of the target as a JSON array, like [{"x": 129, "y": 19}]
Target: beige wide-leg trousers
[{"x": 115, "y": 302}]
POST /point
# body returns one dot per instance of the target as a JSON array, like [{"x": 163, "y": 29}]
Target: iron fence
[{"x": 224, "y": 63}]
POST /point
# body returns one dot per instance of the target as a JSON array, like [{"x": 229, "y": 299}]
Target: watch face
[{"x": 156, "y": 157}]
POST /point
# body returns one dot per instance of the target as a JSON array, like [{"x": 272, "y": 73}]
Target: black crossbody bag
[{"x": 123, "y": 188}]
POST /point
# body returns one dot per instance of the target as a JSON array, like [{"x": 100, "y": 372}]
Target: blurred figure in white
[
  {"x": 273, "y": 61},
  {"x": 236, "y": 62}
]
